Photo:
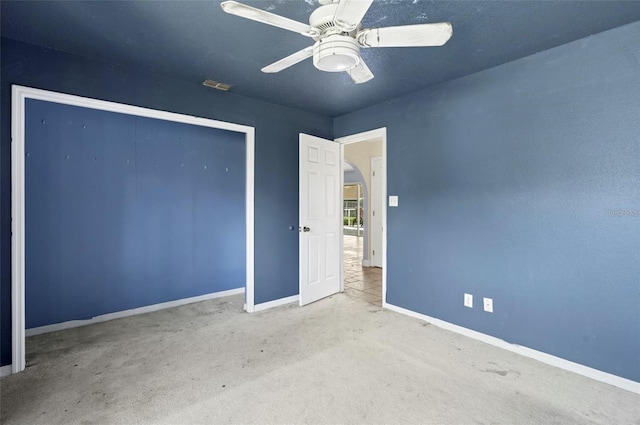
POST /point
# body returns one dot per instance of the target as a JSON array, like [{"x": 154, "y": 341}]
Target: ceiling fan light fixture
[{"x": 336, "y": 53}]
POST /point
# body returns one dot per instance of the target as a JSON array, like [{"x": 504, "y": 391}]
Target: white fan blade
[
  {"x": 350, "y": 12},
  {"x": 289, "y": 60},
  {"x": 360, "y": 73},
  {"x": 244, "y": 11},
  {"x": 421, "y": 35}
]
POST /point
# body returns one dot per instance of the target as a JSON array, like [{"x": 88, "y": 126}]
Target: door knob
[{"x": 304, "y": 229}]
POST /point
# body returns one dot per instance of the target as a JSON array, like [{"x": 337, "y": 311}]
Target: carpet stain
[
  {"x": 502, "y": 372},
  {"x": 497, "y": 372}
]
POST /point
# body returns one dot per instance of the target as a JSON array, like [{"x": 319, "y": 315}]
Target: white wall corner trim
[
  {"x": 5, "y": 371},
  {"x": 598, "y": 375},
  {"x": 276, "y": 303},
  {"x": 19, "y": 96},
  {"x": 365, "y": 263},
  {"x": 132, "y": 312}
]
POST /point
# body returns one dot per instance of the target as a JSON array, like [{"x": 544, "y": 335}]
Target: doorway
[{"x": 364, "y": 216}]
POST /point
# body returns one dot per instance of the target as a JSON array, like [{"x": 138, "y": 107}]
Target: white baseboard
[
  {"x": 126, "y": 313},
  {"x": 276, "y": 303},
  {"x": 365, "y": 263},
  {"x": 5, "y": 371},
  {"x": 598, "y": 375}
]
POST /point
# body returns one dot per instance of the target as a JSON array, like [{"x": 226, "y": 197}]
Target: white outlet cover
[
  {"x": 393, "y": 201},
  {"x": 468, "y": 300},
  {"x": 488, "y": 305}
]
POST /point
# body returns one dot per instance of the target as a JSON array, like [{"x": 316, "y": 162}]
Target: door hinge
[
  {"x": 374, "y": 174},
  {"x": 373, "y": 252},
  {"x": 374, "y": 213}
]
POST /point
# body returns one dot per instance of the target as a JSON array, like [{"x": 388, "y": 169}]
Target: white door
[
  {"x": 377, "y": 204},
  {"x": 320, "y": 218}
]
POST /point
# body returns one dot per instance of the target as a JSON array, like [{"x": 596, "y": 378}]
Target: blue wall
[
  {"x": 124, "y": 212},
  {"x": 506, "y": 179},
  {"x": 277, "y": 128}
]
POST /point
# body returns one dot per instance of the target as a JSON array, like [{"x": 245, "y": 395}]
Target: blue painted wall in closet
[{"x": 124, "y": 212}]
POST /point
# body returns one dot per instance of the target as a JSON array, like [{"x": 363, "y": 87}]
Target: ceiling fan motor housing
[
  {"x": 336, "y": 53},
  {"x": 322, "y": 17}
]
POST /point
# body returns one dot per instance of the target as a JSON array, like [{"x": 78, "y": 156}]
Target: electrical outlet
[
  {"x": 468, "y": 300},
  {"x": 488, "y": 305}
]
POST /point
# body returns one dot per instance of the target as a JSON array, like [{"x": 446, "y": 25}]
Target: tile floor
[{"x": 360, "y": 282}]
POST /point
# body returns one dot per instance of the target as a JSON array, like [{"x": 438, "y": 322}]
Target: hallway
[{"x": 363, "y": 283}]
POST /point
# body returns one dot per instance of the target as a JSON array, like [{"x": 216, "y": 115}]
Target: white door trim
[
  {"x": 372, "y": 203},
  {"x": 18, "y": 100},
  {"x": 378, "y": 134}
]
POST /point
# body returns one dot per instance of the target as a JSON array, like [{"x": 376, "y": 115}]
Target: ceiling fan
[{"x": 335, "y": 27}]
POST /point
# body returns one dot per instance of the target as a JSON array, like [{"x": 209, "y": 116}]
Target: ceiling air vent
[{"x": 217, "y": 85}]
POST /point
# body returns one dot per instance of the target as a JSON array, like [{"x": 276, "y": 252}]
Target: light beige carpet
[{"x": 338, "y": 361}]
